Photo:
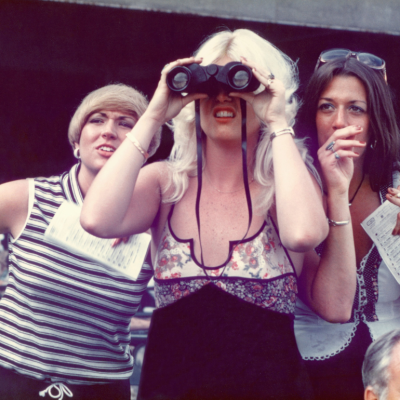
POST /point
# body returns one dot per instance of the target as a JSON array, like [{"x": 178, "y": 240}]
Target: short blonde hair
[{"x": 115, "y": 97}]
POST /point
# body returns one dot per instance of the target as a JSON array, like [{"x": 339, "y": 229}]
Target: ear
[
  {"x": 76, "y": 145},
  {"x": 369, "y": 394}
]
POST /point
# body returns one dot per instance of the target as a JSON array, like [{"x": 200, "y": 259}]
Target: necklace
[
  {"x": 358, "y": 188},
  {"x": 221, "y": 191}
]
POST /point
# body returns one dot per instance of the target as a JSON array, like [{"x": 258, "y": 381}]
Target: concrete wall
[{"x": 359, "y": 15}]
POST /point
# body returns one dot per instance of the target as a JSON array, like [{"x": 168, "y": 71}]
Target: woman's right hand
[
  {"x": 166, "y": 104},
  {"x": 336, "y": 158}
]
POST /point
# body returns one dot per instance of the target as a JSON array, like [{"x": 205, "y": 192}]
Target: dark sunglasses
[{"x": 368, "y": 59}]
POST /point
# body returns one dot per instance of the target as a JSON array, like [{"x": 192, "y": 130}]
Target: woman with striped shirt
[{"x": 65, "y": 319}]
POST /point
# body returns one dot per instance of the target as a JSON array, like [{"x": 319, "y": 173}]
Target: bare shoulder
[
  {"x": 156, "y": 169},
  {"x": 14, "y": 198},
  {"x": 156, "y": 174}
]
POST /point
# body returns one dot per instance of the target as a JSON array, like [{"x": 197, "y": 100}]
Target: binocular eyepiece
[{"x": 194, "y": 78}]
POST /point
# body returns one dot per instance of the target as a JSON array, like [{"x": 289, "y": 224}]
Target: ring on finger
[
  {"x": 330, "y": 146},
  {"x": 336, "y": 155},
  {"x": 271, "y": 76}
]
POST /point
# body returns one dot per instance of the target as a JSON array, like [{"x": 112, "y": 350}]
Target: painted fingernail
[
  {"x": 359, "y": 128},
  {"x": 362, "y": 142}
]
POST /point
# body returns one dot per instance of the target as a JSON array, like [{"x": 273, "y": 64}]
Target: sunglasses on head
[{"x": 368, "y": 59}]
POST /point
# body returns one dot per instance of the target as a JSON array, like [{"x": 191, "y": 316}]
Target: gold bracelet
[
  {"x": 136, "y": 143},
  {"x": 282, "y": 132},
  {"x": 337, "y": 223}
]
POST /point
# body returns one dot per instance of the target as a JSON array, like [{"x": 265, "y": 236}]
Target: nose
[
  {"x": 340, "y": 119},
  {"x": 223, "y": 96},
  {"x": 109, "y": 130}
]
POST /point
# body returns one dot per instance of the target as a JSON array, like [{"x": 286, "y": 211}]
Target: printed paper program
[
  {"x": 66, "y": 231},
  {"x": 379, "y": 226}
]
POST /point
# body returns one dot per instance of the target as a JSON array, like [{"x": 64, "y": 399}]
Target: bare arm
[
  {"x": 124, "y": 199},
  {"x": 300, "y": 215},
  {"x": 13, "y": 206},
  {"x": 328, "y": 282}
]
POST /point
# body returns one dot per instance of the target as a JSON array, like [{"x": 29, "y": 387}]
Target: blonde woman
[{"x": 225, "y": 289}]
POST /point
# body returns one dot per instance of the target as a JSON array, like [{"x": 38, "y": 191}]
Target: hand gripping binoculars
[{"x": 210, "y": 79}]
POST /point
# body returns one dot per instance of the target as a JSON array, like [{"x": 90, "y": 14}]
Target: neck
[
  {"x": 85, "y": 179},
  {"x": 357, "y": 177},
  {"x": 358, "y": 182},
  {"x": 223, "y": 166}
]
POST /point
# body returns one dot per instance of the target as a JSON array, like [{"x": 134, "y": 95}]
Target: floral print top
[{"x": 259, "y": 270}]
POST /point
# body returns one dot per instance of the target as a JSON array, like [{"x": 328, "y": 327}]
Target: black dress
[{"x": 213, "y": 345}]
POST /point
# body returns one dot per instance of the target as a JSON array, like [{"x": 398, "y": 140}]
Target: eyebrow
[{"x": 351, "y": 102}]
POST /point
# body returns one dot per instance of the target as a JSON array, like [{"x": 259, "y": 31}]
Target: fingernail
[
  {"x": 390, "y": 189},
  {"x": 358, "y": 127},
  {"x": 244, "y": 58},
  {"x": 362, "y": 142},
  {"x": 254, "y": 70}
]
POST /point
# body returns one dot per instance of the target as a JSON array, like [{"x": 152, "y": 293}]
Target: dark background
[{"x": 52, "y": 54}]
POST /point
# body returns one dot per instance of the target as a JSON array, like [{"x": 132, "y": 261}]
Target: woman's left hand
[
  {"x": 269, "y": 105},
  {"x": 394, "y": 197}
]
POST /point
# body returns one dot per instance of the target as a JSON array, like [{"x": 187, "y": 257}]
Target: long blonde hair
[{"x": 245, "y": 43}]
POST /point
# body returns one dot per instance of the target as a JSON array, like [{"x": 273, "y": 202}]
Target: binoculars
[{"x": 210, "y": 79}]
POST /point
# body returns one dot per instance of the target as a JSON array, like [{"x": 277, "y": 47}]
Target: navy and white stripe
[{"x": 63, "y": 317}]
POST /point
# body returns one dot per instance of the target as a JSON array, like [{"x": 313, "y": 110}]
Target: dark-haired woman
[{"x": 348, "y": 113}]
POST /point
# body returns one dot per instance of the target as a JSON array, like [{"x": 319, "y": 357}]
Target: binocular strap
[{"x": 199, "y": 137}]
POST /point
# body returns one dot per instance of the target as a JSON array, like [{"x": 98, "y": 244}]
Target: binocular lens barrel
[
  {"x": 180, "y": 80},
  {"x": 240, "y": 79}
]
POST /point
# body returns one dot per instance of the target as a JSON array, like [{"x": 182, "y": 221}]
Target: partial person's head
[
  {"x": 366, "y": 101},
  {"x": 103, "y": 119},
  {"x": 230, "y": 46},
  {"x": 381, "y": 368}
]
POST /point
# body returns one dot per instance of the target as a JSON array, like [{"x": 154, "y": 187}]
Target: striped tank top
[{"x": 63, "y": 317}]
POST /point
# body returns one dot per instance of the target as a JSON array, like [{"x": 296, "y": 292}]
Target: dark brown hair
[{"x": 382, "y": 152}]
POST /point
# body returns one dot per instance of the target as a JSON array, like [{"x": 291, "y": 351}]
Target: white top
[{"x": 318, "y": 339}]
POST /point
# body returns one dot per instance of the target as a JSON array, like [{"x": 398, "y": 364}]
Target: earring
[
  {"x": 372, "y": 145},
  {"x": 77, "y": 154}
]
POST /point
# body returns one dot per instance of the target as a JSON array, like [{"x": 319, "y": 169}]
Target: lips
[
  {"x": 106, "y": 149},
  {"x": 224, "y": 112}
]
